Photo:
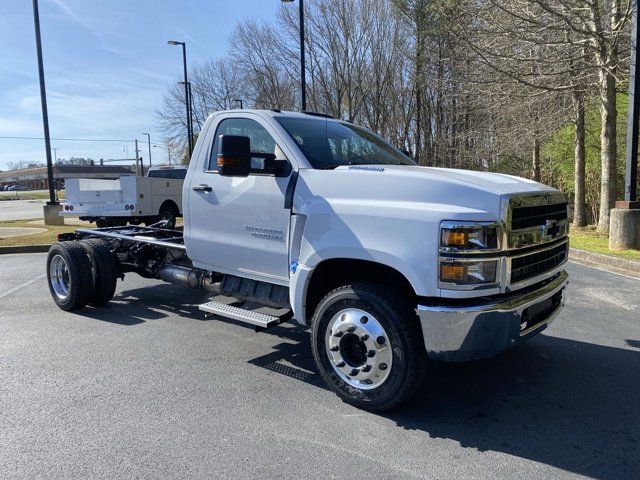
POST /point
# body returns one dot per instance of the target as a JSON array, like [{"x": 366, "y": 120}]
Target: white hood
[
  {"x": 495, "y": 182},
  {"x": 455, "y": 194}
]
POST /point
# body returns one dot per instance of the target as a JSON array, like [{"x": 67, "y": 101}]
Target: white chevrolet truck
[{"x": 390, "y": 265}]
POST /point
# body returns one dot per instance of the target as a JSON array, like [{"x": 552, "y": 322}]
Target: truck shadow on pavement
[
  {"x": 132, "y": 307},
  {"x": 572, "y": 405},
  {"x": 564, "y": 403}
]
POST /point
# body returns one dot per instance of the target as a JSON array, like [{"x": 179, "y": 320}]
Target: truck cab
[{"x": 390, "y": 265}]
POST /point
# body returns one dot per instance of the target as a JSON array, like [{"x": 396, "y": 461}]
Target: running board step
[{"x": 260, "y": 320}]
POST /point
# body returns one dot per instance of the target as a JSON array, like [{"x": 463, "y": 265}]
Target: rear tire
[
  {"x": 69, "y": 275},
  {"x": 168, "y": 213},
  {"x": 378, "y": 359},
  {"x": 104, "y": 270}
]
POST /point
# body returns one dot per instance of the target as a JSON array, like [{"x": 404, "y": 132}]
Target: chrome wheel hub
[
  {"x": 358, "y": 348},
  {"x": 59, "y": 274}
]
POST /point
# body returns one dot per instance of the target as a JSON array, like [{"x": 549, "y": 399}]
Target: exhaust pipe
[
  {"x": 191, "y": 277},
  {"x": 240, "y": 288}
]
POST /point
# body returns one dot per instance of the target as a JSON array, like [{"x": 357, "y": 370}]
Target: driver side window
[{"x": 261, "y": 141}]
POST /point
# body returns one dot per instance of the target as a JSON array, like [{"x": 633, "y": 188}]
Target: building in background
[{"x": 36, "y": 178}]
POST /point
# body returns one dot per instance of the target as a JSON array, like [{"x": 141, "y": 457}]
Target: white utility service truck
[
  {"x": 391, "y": 265},
  {"x": 129, "y": 199}
]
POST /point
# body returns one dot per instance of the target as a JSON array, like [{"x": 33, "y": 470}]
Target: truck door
[{"x": 239, "y": 225}]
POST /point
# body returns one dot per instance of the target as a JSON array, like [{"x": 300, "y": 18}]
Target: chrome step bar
[{"x": 255, "y": 318}]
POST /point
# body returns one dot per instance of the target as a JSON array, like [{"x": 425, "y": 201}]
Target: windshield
[{"x": 329, "y": 144}]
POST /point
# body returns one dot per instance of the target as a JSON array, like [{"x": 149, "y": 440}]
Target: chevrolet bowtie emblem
[{"x": 550, "y": 229}]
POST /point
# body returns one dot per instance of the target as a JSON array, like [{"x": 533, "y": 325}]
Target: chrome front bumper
[{"x": 479, "y": 330}]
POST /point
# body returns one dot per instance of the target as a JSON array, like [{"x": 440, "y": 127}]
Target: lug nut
[
  {"x": 368, "y": 381},
  {"x": 354, "y": 372},
  {"x": 351, "y": 329},
  {"x": 335, "y": 348},
  {"x": 381, "y": 340},
  {"x": 371, "y": 353},
  {"x": 364, "y": 319},
  {"x": 383, "y": 366},
  {"x": 366, "y": 368},
  {"x": 340, "y": 364},
  {"x": 338, "y": 334},
  {"x": 364, "y": 337}
]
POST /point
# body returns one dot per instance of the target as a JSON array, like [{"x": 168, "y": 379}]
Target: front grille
[
  {"x": 536, "y": 263},
  {"x": 534, "y": 216}
]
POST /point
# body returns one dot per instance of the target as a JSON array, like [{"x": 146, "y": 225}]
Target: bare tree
[
  {"x": 215, "y": 85},
  {"x": 557, "y": 46},
  {"x": 478, "y": 84}
]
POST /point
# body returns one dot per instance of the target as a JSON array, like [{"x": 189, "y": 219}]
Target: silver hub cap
[
  {"x": 358, "y": 348},
  {"x": 59, "y": 274}
]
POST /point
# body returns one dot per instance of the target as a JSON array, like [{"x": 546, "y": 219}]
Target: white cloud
[
  {"x": 62, "y": 5},
  {"x": 87, "y": 105}
]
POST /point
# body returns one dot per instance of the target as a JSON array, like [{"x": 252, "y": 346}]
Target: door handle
[{"x": 202, "y": 188}]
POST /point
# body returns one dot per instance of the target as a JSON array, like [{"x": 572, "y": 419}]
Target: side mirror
[
  {"x": 267, "y": 164},
  {"x": 234, "y": 156}
]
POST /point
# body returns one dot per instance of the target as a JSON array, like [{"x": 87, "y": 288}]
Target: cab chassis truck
[{"x": 390, "y": 265}]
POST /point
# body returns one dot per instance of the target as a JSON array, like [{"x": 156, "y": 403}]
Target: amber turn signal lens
[
  {"x": 452, "y": 273},
  {"x": 227, "y": 162},
  {"x": 458, "y": 239}
]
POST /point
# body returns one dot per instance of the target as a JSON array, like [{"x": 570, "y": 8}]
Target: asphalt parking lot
[{"x": 147, "y": 388}]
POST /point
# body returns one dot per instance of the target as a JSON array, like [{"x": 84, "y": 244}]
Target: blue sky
[{"x": 107, "y": 65}]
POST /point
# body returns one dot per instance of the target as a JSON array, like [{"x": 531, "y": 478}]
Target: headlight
[
  {"x": 456, "y": 237},
  {"x": 468, "y": 273}
]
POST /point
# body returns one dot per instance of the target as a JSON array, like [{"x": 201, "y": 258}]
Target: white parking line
[{"x": 22, "y": 285}]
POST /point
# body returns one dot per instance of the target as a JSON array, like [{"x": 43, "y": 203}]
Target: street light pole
[
  {"x": 138, "y": 157},
  {"x": 149, "y": 143},
  {"x": 631, "y": 177},
  {"x": 43, "y": 101},
  {"x": 190, "y": 108},
  {"x": 55, "y": 159},
  {"x": 190, "y": 114},
  {"x": 186, "y": 92},
  {"x": 303, "y": 79}
]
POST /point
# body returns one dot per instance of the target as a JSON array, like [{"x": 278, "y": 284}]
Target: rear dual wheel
[
  {"x": 104, "y": 270},
  {"x": 81, "y": 273}
]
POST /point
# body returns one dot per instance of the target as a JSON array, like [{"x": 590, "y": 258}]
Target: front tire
[{"x": 368, "y": 346}]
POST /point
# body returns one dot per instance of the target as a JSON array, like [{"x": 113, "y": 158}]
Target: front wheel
[{"x": 368, "y": 346}]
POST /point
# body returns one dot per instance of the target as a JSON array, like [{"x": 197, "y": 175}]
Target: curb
[
  {"x": 607, "y": 262},
  {"x": 25, "y": 249}
]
